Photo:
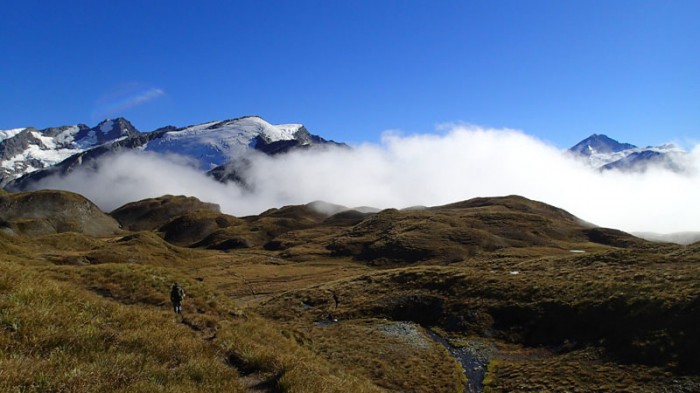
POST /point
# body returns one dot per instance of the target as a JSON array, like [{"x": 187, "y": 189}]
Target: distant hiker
[{"x": 176, "y": 296}]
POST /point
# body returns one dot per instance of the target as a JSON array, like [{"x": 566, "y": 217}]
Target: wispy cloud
[
  {"x": 125, "y": 98},
  {"x": 461, "y": 162}
]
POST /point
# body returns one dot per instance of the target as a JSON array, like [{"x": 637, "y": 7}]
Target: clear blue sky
[{"x": 559, "y": 70}]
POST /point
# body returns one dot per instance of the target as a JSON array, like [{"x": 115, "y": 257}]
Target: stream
[{"x": 473, "y": 357}]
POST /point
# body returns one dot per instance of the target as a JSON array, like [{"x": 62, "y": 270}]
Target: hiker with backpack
[{"x": 176, "y": 296}]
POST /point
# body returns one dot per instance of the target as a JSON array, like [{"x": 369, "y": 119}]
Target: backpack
[{"x": 176, "y": 293}]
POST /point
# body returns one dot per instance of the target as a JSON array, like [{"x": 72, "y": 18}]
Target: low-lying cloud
[{"x": 427, "y": 169}]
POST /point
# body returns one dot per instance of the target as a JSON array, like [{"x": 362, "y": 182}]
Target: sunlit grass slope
[
  {"x": 109, "y": 328},
  {"x": 298, "y": 301},
  {"x": 58, "y": 337}
]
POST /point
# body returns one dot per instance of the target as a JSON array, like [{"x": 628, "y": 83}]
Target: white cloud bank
[{"x": 428, "y": 169}]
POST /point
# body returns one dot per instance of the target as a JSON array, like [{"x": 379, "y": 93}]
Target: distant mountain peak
[
  {"x": 605, "y": 153},
  {"x": 600, "y": 143},
  {"x": 106, "y": 131}
]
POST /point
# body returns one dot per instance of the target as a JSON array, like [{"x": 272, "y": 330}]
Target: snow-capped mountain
[
  {"x": 215, "y": 143},
  {"x": 28, "y": 155},
  {"x": 604, "y": 153},
  {"x": 25, "y": 150}
]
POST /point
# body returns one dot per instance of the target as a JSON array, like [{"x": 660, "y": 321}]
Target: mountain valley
[
  {"x": 501, "y": 294},
  {"x": 489, "y": 294}
]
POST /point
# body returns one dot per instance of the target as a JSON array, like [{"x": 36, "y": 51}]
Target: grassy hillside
[
  {"x": 498, "y": 294},
  {"x": 109, "y": 327}
]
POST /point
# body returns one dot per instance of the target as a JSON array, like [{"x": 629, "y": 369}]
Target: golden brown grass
[
  {"x": 625, "y": 306},
  {"x": 109, "y": 327},
  {"x": 253, "y": 343},
  {"x": 79, "y": 313},
  {"x": 397, "y": 356},
  {"x": 56, "y": 337},
  {"x": 519, "y": 369}
]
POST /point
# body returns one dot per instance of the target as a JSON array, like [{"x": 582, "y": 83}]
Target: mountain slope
[
  {"x": 27, "y": 150},
  {"x": 29, "y": 155},
  {"x": 667, "y": 157}
]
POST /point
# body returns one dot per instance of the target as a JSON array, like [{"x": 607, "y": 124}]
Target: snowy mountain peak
[
  {"x": 599, "y": 144},
  {"x": 214, "y": 143},
  {"x": 108, "y": 130},
  {"x": 605, "y": 153},
  {"x": 269, "y": 132}
]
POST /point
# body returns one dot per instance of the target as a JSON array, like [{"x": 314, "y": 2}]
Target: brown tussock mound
[
  {"x": 47, "y": 212},
  {"x": 152, "y": 213}
]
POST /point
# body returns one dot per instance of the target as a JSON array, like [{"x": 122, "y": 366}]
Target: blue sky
[{"x": 558, "y": 70}]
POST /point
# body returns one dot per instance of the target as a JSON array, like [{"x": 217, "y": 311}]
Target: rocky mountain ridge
[
  {"x": 27, "y": 150},
  {"x": 29, "y": 154}
]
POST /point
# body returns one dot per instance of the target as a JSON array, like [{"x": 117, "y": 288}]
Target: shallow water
[{"x": 473, "y": 360}]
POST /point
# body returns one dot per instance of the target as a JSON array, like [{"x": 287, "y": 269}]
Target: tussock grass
[
  {"x": 133, "y": 284},
  {"x": 518, "y": 369},
  {"x": 81, "y": 313},
  {"x": 394, "y": 358},
  {"x": 146, "y": 248},
  {"x": 69, "y": 241},
  {"x": 56, "y": 337},
  {"x": 109, "y": 327},
  {"x": 637, "y": 308},
  {"x": 12, "y": 247},
  {"x": 256, "y": 344}
]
